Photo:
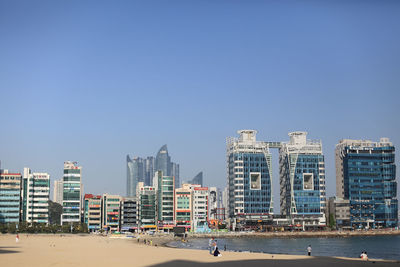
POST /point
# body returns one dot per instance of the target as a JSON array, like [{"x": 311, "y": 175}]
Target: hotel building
[
  {"x": 302, "y": 181},
  {"x": 35, "y": 197},
  {"x": 366, "y": 176}
]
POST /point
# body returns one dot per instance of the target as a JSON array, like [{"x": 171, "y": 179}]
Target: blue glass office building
[
  {"x": 249, "y": 178},
  {"x": 366, "y": 176},
  {"x": 302, "y": 181}
]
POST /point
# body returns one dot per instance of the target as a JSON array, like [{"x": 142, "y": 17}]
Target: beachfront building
[
  {"x": 58, "y": 191},
  {"x": 135, "y": 174},
  {"x": 10, "y": 196},
  {"x": 302, "y": 181},
  {"x": 129, "y": 214},
  {"x": 35, "y": 197},
  {"x": 366, "y": 177},
  {"x": 249, "y": 181},
  {"x": 92, "y": 212},
  {"x": 147, "y": 207},
  {"x": 200, "y": 209},
  {"x": 183, "y": 206},
  {"x": 72, "y": 193},
  {"x": 215, "y": 205},
  {"x": 164, "y": 186},
  {"x": 110, "y": 205}
]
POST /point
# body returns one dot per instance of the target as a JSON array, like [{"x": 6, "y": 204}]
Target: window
[
  {"x": 308, "y": 181},
  {"x": 255, "y": 181}
]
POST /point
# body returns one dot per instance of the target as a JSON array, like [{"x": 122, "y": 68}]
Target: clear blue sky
[{"x": 91, "y": 81}]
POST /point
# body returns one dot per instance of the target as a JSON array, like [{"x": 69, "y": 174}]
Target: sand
[{"x": 99, "y": 251}]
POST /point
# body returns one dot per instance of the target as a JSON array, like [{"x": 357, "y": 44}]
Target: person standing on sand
[
  {"x": 211, "y": 244},
  {"x": 309, "y": 249},
  {"x": 17, "y": 238}
]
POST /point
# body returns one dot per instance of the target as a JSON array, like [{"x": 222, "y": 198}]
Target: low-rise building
[
  {"x": 92, "y": 213},
  {"x": 10, "y": 196},
  {"x": 129, "y": 214},
  {"x": 110, "y": 212}
]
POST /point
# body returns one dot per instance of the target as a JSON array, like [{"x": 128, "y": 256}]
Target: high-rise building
[
  {"x": 58, "y": 191},
  {"x": 215, "y": 206},
  {"x": 175, "y": 173},
  {"x": 110, "y": 212},
  {"x": 72, "y": 190},
  {"x": 163, "y": 161},
  {"x": 92, "y": 213},
  {"x": 366, "y": 176},
  {"x": 302, "y": 181},
  {"x": 149, "y": 165},
  {"x": 35, "y": 197},
  {"x": 129, "y": 214},
  {"x": 198, "y": 179},
  {"x": 135, "y": 174},
  {"x": 249, "y": 178},
  {"x": 10, "y": 196},
  {"x": 147, "y": 206}
]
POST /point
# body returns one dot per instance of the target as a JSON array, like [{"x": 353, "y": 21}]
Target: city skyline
[{"x": 94, "y": 82}]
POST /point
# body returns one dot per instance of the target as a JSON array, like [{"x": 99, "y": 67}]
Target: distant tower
[{"x": 198, "y": 179}]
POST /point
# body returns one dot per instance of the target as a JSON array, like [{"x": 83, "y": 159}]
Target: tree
[
  {"x": 55, "y": 211},
  {"x": 332, "y": 222}
]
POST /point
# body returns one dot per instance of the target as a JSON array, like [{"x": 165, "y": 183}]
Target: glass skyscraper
[
  {"x": 249, "y": 178},
  {"x": 366, "y": 176},
  {"x": 302, "y": 181}
]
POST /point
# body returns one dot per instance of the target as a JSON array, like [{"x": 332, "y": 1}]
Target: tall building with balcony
[
  {"x": 249, "y": 178},
  {"x": 111, "y": 212},
  {"x": 366, "y": 176},
  {"x": 10, "y": 196},
  {"x": 35, "y": 197},
  {"x": 129, "y": 214},
  {"x": 92, "y": 212},
  {"x": 302, "y": 181},
  {"x": 164, "y": 186},
  {"x": 72, "y": 193}
]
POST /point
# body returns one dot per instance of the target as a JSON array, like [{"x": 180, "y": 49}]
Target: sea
[{"x": 377, "y": 247}]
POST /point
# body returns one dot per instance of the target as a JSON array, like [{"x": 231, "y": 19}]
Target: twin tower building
[{"x": 365, "y": 178}]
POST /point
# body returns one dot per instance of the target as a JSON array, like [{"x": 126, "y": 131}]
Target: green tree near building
[{"x": 55, "y": 211}]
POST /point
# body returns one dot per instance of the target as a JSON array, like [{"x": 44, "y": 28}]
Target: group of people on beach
[{"x": 213, "y": 247}]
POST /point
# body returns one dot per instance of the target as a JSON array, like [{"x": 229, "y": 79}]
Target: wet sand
[{"x": 99, "y": 251}]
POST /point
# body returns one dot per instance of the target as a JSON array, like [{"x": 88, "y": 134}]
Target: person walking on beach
[{"x": 309, "y": 249}]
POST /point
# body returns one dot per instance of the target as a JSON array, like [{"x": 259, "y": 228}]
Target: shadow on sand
[
  {"x": 312, "y": 262},
  {"x": 5, "y": 250}
]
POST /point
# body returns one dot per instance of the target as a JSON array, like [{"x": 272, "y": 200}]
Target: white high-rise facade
[
  {"x": 72, "y": 193},
  {"x": 58, "y": 191},
  {"x": 35, "y": 197}
]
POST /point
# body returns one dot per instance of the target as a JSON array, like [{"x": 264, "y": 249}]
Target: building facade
[
  {"x": 35, "y": 197},
  {"x": 200, "y": 209},
  {"x": 302, "y": 181},
  {"x": 164, "y": 186},
  {"x": 129, "y": 214},
  {"x": 92, "y": 213},
  {"x": 111, "y": 212},
  {"x": 249, "y": 178},
  {"x": 58, "y": 191},
  {"x": 10, "y": 196},
  {"x": 147, "y": 207},
  {"x": 72, "y": 193},
  {"x": 183, "y": 206},
  {"x": 366, "y": 176}
]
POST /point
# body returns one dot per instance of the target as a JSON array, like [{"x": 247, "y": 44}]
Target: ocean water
[{"x": 377, "y": 247}]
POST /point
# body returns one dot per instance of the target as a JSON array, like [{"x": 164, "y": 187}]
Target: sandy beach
[{"x": 99, "y": 251}]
